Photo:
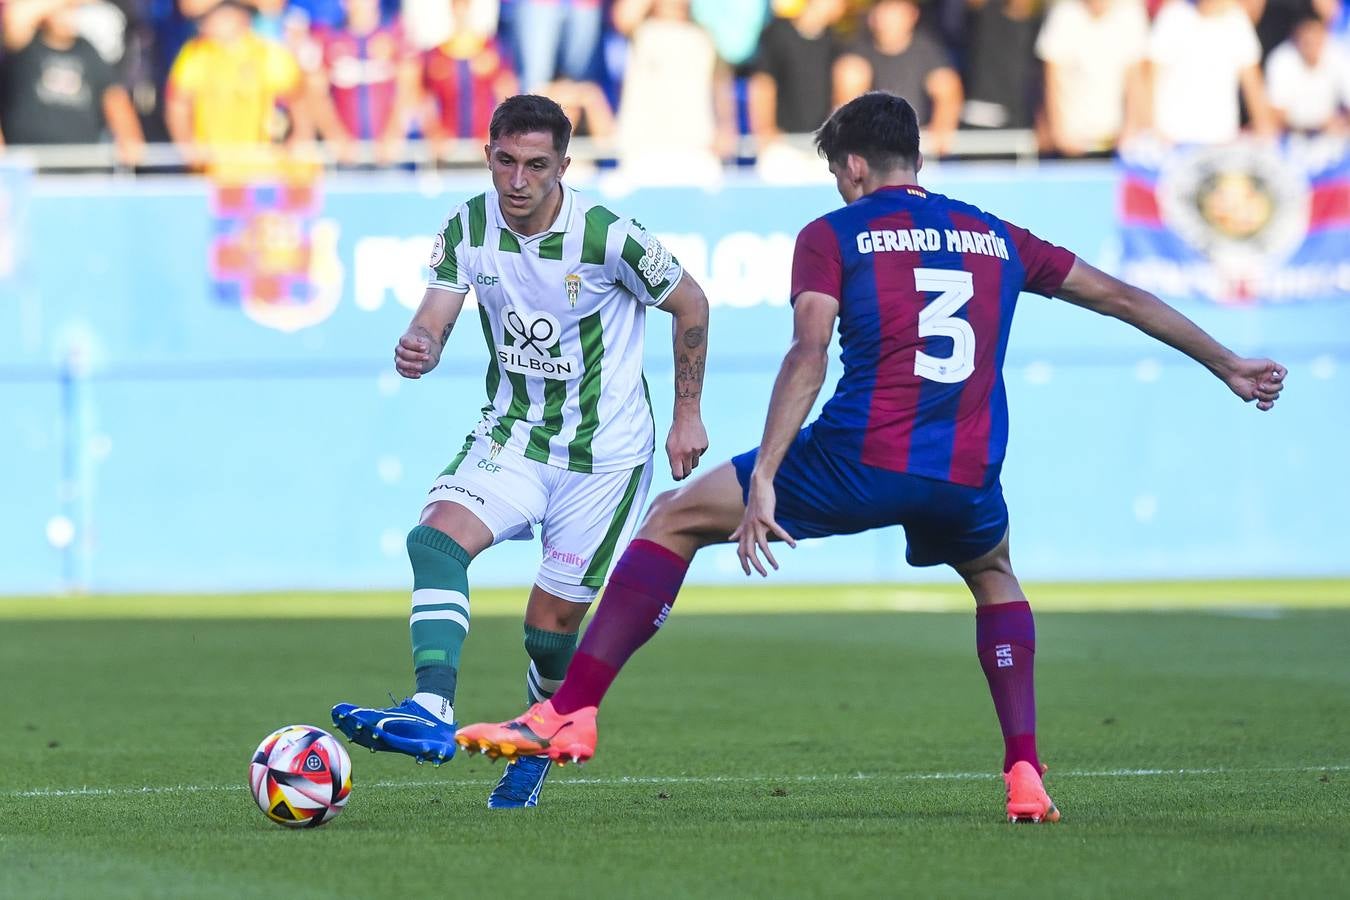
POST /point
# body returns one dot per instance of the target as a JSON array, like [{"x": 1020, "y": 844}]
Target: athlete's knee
[
  {"x": 428, "y": 542},
  {"x": 665, "y": 515},
  {"x": 456, "y": 524}
]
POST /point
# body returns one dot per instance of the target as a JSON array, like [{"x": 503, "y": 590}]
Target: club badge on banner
[
  {"x": 1245, "y": 223},
  {"x": 271, "y": 253}
]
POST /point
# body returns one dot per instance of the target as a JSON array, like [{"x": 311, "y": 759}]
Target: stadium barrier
[{"x": 197, "y": 389}]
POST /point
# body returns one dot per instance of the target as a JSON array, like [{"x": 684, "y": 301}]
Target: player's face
[{"x": 526, "y": 170}]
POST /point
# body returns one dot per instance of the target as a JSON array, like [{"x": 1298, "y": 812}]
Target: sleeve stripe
[
  {"x": 478, "y": 220},
  {"x": 596, "y": 236},
  {"x": 448, "y": 270}
]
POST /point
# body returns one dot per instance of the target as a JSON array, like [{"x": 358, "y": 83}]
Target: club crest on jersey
[
  {"x": 494, "y": 449},
  {"x": 573, "y": 283},
  {"x": 532, "y": 338}
]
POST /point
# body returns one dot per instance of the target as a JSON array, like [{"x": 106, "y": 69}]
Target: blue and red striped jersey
[{"x": 926, "y": 288}]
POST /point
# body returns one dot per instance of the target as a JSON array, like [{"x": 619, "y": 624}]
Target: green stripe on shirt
[{"x": 580, "y": 457}]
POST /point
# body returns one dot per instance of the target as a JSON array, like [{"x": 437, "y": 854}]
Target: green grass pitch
[{"x": 771, "y": 742}]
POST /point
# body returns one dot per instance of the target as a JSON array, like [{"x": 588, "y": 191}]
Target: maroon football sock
[
  {"x": 640, "y": 594},
  {"x": 1005, "y": 637}
]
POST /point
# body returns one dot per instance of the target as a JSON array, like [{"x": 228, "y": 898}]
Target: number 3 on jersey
[{"x": 938, "y": 319}]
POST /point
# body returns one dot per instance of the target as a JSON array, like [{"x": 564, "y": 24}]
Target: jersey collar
[
  {"x": 561, "y": 225},
  {"x": 912, "y": 189}
]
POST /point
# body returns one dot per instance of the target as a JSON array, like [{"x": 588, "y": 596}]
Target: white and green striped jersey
[{"x": 563, "y": 314}]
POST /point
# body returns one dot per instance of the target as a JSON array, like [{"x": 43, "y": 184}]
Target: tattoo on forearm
[
  {"x": 445, "y": 332},
  {"x": 689, "y": 375},
  {"x": 693, "y": 337}
]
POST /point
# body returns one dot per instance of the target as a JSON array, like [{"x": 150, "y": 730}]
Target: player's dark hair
[
  {"x": 525, "y": 113},
  {"x": 878, "y": 126}
]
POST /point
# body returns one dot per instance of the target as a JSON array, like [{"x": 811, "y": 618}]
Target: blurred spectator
[
  {"x": 365, "y": 84},
  {"x": 430, "y": 23},
  {"x": 733, "y": 25},
  {"x": 558, "y": 40},
  {"x": 1200, "y": 55},
  {"x": 1094, "y": 53},
  {"x": 1309, "y": 80},
  {"x": 56, "y": 89},
  {"x": 104, "y": 25},
  {"x": 675, "y": 113},
  {"x": 790, "y": 90},
  {"x": 225, "y": 86},
  {"x": 893, "y": 56},
  {"x": 1002, "y": 83},
  {"x": 463, "y": 79},
  {"x": 1275, "y": 19}
]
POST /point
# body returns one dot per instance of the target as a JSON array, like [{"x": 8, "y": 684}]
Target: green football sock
[
  {"x": 440, "y": 609},
  {"x": 550, "y": 652}
]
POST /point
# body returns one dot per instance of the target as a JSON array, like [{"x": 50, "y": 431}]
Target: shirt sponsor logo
[
  {"x": 437, "y": 251},
  {"x": 655, "y": 262},
  {"x": 534, "y": 334}
]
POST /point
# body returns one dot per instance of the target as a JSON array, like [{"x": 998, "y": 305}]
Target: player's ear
[
  {"x": 918, "y": 163},
  {"x": 562, "y": 166},
  {"x": 487, "y": 154},
  {"x": 856, "y": 167}
]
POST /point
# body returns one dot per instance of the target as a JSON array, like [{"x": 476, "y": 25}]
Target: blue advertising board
[{"x": 197, "y": 391}]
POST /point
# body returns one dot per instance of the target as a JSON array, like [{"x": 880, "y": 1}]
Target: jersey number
[{"x": 938, "y": 319}]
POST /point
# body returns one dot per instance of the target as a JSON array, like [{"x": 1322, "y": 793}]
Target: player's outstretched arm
[
  {"x": 687, "y": 440},
  {"x": 1251, "y": 379},
  {"x": 794, "y": 393},
  {"x": 419, "y": 350}
]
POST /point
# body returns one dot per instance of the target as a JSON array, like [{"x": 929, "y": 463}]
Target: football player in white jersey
[{"x": 565, "y": 442}]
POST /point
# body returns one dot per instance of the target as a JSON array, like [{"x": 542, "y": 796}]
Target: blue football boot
[
  {"x": 521, "y": 783},
  {"x": 407, "y": 728}
]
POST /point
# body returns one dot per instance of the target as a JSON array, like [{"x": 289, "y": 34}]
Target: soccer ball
[{"x": 301, "y": 776}]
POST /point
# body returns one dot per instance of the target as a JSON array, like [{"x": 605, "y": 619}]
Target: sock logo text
[{"x": 1003, "y": 653}]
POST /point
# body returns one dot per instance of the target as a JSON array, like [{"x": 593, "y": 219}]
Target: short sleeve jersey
[
  {"x": 800, "y": 69},
  {"x": 926, "y": 288},
  {"x": 363, "y": 72},
  {"x": 563, "y": 314},
  {"x": 52, "y": 96},
  {"x": 234, "y": 87}
]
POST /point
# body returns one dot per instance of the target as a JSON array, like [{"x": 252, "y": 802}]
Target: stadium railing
[{"x": 163, "y": 158}]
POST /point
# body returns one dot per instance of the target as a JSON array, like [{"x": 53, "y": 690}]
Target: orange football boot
[
  {"x": 539, "y": 732},
  {"x": 1027, "y": 799}
]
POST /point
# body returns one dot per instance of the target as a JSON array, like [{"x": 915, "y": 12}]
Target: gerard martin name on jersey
[{"x": 930, "y": 239}]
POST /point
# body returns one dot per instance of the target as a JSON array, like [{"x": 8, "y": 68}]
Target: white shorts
[{"x": 587, "y": 518}]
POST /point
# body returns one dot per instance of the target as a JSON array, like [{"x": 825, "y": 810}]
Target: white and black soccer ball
[{"x": 300, "y": 776}]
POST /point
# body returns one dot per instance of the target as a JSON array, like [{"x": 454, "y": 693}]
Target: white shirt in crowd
[
  {"x": 1196, "y": 63},
  {"x": 1093, "y": 55},
  {"x": 1308, "y": 96}
]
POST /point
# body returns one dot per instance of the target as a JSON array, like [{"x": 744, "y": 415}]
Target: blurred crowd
[{"x": 658, "y": 83}]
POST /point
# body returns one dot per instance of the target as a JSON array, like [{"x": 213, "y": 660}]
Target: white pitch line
[{"x": 680, "y": 779}]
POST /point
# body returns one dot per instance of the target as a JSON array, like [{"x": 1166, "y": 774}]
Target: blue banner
[
  {"x": 162, "y": 430},
  {"x": 1239, "y": 224}
]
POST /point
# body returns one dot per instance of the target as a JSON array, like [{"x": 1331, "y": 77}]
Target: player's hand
[
  {"x": 686, "y": 442},
  {"x": 1256, "y": 379},
  {"x": 757, "y": 526},
  {"x": 414, "y": 356}
]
